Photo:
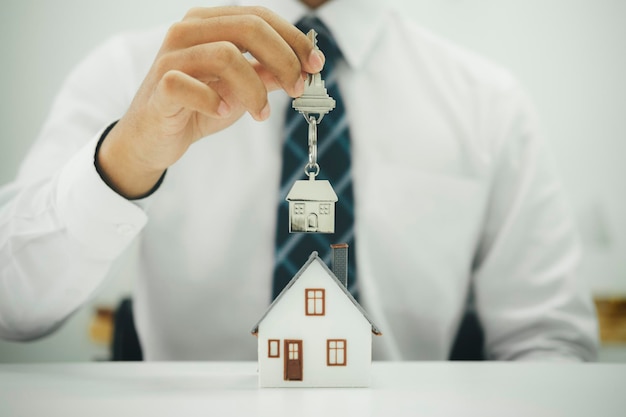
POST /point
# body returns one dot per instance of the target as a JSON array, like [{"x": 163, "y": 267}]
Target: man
[{"x": 452, "y": 192}]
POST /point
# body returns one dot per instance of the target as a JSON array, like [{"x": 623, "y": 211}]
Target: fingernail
[
  {"x": 265, "y": 113},
  {"x": 317, "y": 59},
  {"x": 223, "y": 109}
]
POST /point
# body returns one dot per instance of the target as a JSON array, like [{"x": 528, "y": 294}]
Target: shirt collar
[{"x": 355, "y": 24}]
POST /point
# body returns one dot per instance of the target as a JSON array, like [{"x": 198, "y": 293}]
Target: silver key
[{"x": 315, "y": 99}]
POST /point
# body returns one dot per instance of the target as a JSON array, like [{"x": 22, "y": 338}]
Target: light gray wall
[{"x": 568, "y": 53}]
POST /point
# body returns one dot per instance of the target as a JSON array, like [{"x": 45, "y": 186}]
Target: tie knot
[{"x": 325, "y": 41}]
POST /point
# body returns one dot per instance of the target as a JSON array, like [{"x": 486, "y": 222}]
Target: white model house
[
  {"x": 315, "y": 334},
  {"x": 312, "y": 206}
]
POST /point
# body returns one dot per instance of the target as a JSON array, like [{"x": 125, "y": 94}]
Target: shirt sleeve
[
  {"x": 61, "y": 226},
  {"x": 529, "y": 296},
  {"x": 58, "y": 240}
]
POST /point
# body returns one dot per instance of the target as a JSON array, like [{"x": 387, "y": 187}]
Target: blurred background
[{"x": 569, "y": 54}]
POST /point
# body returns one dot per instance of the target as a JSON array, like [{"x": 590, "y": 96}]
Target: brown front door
[{"x": 293, "y": 360}]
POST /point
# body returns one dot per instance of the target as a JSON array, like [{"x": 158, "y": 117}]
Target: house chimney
[{"x": 340, "y": 262}]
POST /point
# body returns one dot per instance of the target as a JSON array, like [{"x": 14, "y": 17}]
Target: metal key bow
[{"x": 313, "y": 105}]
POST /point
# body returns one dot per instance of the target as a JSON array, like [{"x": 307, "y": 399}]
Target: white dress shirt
[{"x": 452, "y": 191}]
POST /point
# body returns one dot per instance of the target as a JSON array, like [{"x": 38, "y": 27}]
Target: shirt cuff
[
  {"x": 139, "y": 200},
  {"x": 103, "y": 222}
]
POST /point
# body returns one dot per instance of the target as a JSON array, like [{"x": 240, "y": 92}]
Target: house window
[
  {"x": 298, "y": 209},
  {"x": 294, "y": 352},
  {"x": 273, "y": 348},
  {"x": 314, "y": 303},
  {"x": 324, "y": 208},
  {"x": 336, "y": 352}
]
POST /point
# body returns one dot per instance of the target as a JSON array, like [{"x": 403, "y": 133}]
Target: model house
[
  {"x": 312, "y": 206},
  {"x": 315, "y": 334}
]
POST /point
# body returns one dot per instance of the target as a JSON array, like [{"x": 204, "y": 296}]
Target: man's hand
[{"x": 200, "y": 83}]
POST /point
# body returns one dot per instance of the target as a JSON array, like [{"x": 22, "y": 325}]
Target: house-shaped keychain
[
  {"x": 315, "y": 334},
  {"x": 312, "y": 206}
]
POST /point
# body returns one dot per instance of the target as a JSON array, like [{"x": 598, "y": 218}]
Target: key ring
[
  {"x": 307, "y": 116},
  {"x": 312, "y": 169},
  {"x": 312, "y": 140}
]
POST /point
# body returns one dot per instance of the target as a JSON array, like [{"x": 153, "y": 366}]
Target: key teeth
[{"x": 312, "y": 35}]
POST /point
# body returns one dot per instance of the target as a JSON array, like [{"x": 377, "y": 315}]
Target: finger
[
  {"x": 178, "y": 91},
  {"x": 202, "y": 31},
  {"x": 221, "y": 65},
  {"x": 247, "y": 33},
  {"x": 272, "y": 83},
  {"x": 297, "y": 40}
]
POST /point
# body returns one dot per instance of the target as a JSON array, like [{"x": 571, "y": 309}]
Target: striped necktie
[{"x": 293, "y": 250}]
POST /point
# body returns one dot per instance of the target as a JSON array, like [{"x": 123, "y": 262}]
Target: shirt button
[{"x": 125, "y": 229}]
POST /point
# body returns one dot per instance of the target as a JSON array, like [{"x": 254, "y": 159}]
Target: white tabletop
[{"x": 230, "y": 389}]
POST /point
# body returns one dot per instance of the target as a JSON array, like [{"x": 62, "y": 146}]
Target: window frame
[
  {"x": 314, "y": 299},
  {"x": 269, "y": 348},
  {"x": 331, "y": 352},
  {"x": 299, "y": 209}
]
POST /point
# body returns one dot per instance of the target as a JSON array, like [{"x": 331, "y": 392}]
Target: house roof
[
  {"x": 307, "y": 190},
  {"x": 314, "y": 256}
]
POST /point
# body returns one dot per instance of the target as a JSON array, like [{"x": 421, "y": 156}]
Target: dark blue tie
[{"x": 293, "y": 250}]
